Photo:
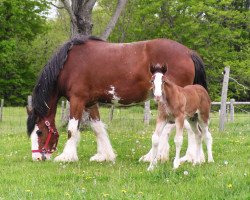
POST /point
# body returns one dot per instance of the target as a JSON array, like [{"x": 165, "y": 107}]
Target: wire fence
[{"x": 14, "y": 119}]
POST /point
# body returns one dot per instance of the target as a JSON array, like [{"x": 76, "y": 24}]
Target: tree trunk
[
  {"x": 111, "y": 25},
  {"x": 80, "y": 12}
]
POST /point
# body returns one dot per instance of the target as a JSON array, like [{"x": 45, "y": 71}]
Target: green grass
[{"x": 21, "y": 178}]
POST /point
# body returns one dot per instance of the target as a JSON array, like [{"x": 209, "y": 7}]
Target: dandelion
[
  {"x": 67, "y": 194},
  {"x": 124, "y": 191},
  {"x": 185, "y": 173},
  {"x": 140, "y": 193},
  {"x": 105, "y": 194},
  {"x": 27, "y": 190},
  {"x": 229, "y": 185}
]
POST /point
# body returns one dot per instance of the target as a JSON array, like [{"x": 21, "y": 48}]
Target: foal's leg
[
  {"x": 104, "y": 149},
  {"x": 69, "y": 153},
  {"x": 155, "y": 143},
  {"x": 178, "y": 140},
  {"x": 198, "y": 139},
  {"x": 190, "y": 155},
  {"x": 208, "y": 140},
  {"x": 163, "y": 149}
]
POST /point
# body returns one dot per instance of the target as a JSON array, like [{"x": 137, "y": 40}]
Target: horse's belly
[{"x": 125, "y": 96}]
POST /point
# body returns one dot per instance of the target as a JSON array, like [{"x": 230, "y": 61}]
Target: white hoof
[
  {"x": 102, "y": 157},
  {"x": 39, "y": 157},
  {"x": 210, "y": 160},
  {"x": 162, "y": 158},
  {"x": 151, "y": 168},
  {"x": 176, "y": 163},
  {"x": 66, "y": 158},
  {"x": 146, "y": 158}
]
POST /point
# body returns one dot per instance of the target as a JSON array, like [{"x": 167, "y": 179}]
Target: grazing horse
[
  {"x": 88, "y": 71},
  {"x": 191, "y": 103}
]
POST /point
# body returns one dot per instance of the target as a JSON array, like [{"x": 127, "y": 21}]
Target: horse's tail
[
  {"x": 200, "y": 74},
  {"x": 47, "y": 81}
]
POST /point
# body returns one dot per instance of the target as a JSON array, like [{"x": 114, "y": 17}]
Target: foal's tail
[{"x": 200, "y": 74}]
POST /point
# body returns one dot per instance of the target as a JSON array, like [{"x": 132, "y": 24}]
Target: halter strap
[{"x": 45, "y": 147}]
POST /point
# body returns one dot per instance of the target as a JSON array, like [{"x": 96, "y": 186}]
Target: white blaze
[{"x": 157, "y": 84}]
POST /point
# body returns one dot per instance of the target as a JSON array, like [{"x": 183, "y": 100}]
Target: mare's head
[
  {"x": 43, "y": 135},
  {"x": 158, "y": 71}
]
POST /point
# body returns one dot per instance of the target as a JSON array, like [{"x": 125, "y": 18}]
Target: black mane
[{"x": 48, "y": 78}]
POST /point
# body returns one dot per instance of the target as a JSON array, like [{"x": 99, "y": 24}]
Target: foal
[{"x": 191, "y": 103}]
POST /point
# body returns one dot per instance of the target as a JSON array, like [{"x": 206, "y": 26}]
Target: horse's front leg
[
  {"x": 179, "y": 121},
  {"x": 69, "y": 153},
  {"x": 104, "y": 149},
  {"x": 155, "y": 144},
  {"x": 163, "y": 149}
]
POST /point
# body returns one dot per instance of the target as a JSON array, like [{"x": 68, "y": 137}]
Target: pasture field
[{"x": 21, "y": 178}]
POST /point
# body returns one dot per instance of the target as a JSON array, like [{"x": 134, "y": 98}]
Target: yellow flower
[
  {"x": 105, "y": 194},
  {"x": 230, "y": 185},
  {"x": 124, "y": 191},
  {"x": 140, "y": 193}
]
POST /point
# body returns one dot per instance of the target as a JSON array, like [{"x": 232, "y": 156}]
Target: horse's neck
[{"x": 169, "y": 88}]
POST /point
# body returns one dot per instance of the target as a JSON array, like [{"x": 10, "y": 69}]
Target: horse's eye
[{"x": 38, "y": 132}]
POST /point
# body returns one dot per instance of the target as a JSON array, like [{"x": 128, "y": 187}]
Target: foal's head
[{"x": 158, "y": 71}]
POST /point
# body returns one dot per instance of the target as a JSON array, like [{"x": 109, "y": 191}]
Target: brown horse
[
  {"x": 87, "y": 70},
  {"x": 177, "y": 104}
]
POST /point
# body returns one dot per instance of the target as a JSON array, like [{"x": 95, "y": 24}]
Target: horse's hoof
[
  {"x": 145, "y": 158},
  {"x": 162, "y": 158},
  {"x": 210, "y": 160},
  {"x": 184, "y": 159},
  {"x": 176, "y": 163},
  {"x": 101, "y": 158},
  {"x": 66, "y": 158},
  {"x": 150, "y": 168}
]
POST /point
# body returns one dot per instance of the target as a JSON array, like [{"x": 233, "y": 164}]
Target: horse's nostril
[{"x": 157, "y": 98}]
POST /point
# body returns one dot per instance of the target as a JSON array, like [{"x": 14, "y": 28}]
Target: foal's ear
[
  {"x": 152, "y": 68},
  {"x": 164, "y": 68}
]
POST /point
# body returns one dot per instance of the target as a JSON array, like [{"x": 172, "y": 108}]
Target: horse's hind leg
[
  {"x": 208, "y": 140},
  {"x": 190, "y": 155},
  {"x": 69, "y": 153},
  {"x": 104, "y": 149},
  {"x": 198, "y": 139}
]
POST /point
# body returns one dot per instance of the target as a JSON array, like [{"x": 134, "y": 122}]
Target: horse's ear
[
  {"x": 164, "y": 68},
  {"x": 152, "y": 68}
]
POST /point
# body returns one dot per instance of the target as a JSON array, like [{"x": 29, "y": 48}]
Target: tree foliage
[
  {"x": 217, "y": 29},
  {"x": 20, "y": 22}
]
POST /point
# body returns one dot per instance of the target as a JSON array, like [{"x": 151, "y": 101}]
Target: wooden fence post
[
  {"x": 62, "y": 112},
  {"x": 147, "y": 112},
  {"x": 66, "y": 113},
  {"x": 224, "y": 99},
  {"x": 232, "y": 110},
  {"x": 1, "y": 110},
  {"x": 111, "y": 113},
  {"x": 29, "y": 103}
]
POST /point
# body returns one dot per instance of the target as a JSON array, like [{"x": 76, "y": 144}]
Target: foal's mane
[{"x": 48, "y": 78}]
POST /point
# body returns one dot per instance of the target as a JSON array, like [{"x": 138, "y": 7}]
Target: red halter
[{"x": 45, "y": 147}]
